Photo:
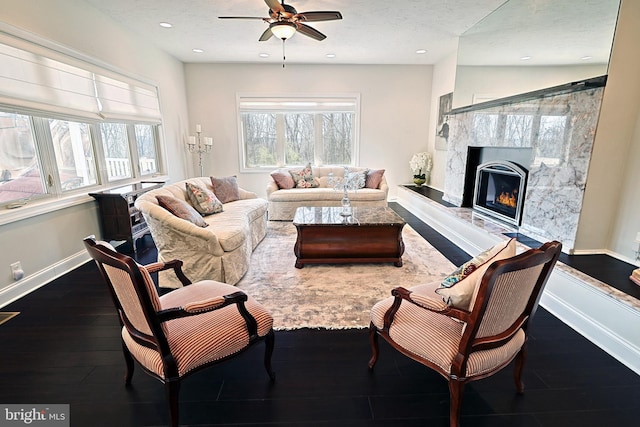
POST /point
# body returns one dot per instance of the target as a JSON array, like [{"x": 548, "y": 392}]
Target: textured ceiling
[{"x": 371, "y": 31}]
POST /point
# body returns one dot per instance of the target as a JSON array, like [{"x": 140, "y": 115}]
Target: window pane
[
  {"x": 259, "y": 130},
  {"x": 19, "y": 168},
  {"x": 548, "y": 149},
  {"x": 146, "y": 143},
  {"x": 518, "y": 130},
  {"x": 116, "y": 150},
  {"x": 74, "y": 154},
  {"x": 299, "y": 139},
  {"x": 337, "y": 135}
]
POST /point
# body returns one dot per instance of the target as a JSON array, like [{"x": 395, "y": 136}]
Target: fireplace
[{"x": 500, "y": 190}]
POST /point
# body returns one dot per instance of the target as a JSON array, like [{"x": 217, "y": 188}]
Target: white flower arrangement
[{"x": 420, "y": 164}]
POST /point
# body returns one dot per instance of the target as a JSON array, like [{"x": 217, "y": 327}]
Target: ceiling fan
[{"x": 284, "y": 21}]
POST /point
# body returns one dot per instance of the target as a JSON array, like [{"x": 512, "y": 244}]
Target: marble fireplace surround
[{"x": 558, "y": 125}]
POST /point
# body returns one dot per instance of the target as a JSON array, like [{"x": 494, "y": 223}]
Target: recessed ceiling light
[
  {"x": 421, "y": 51},
  {"x": 525, "y": 58},
  {"x": 586, "y": 58},
  {"x": 166, "y": 25},
  {"x": 331, "y": 55},
  {"x": 197, "y": 50},
  {"x": 263, "y": 55}
]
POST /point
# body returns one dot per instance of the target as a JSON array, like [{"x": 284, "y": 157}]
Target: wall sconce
[{"x": 199, "y": 144}]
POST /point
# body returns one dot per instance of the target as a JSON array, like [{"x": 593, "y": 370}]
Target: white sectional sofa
[
  {"x": 221, "y": 250},
  {"x": 284, "y": 201}
]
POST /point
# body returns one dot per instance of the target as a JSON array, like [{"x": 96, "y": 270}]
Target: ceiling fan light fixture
[{"x": 283, "y": 30}]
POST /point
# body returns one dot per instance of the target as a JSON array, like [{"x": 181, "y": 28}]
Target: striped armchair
[
  {"x": 181, "y": 332},
  {"x": 462, "y": 345}
]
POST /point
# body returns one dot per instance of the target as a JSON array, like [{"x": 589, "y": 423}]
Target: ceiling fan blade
[
  {"x": 266, "y": 35},
  {"x": 243, "y": 17},
  {"x": 274, "y": 5},
  {"x": 311, "y": 32},
  {"x": 319, "y": 16}
]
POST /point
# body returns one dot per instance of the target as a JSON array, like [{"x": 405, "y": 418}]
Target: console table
[
  {"x": 119, "y": 218},
  {"x": 369, "y": 235}
]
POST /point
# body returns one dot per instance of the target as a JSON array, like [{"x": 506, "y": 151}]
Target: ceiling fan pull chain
[{"x": 283, "y": 55}]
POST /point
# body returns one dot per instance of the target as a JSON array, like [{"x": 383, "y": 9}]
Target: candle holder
[
  {"x": 350, "y": 181},
  {"x": 201, "y": 145}
]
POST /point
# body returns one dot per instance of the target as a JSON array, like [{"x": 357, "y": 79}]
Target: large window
[
  {"x": 67, "y": 123},
  {"x": 42, "y": 157},
  {"x": 278, "y": 131}
]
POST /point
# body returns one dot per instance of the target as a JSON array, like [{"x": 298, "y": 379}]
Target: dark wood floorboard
[{"x": 64, "y": 347}]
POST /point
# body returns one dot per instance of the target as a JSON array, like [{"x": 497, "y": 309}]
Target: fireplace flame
[{"x": 508, "y": 199}]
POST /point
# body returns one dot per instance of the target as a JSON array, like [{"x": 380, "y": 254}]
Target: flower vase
[{"x": 419, "y": 181}]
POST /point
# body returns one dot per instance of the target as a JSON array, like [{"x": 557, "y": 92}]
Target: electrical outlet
[{"x": 16, "y": 270}]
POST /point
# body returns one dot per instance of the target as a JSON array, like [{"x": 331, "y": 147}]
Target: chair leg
[
  {"x": 269, "y": 342},
  {"x": 456, "y": 389},
  {"x": 128, "y": 359},
  {"x": 519, "y": 368},
  {"x": 375, "y": 348},
  {"x": 172, "y": 389}
]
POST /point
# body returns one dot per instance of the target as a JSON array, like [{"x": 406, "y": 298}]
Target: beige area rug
[{"x": 332, "y": 296}]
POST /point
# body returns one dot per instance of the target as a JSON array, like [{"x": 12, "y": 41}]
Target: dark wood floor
[{"x": 64, "y": 347}]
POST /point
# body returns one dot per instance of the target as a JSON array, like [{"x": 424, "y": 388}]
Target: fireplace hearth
[{"x": 500, "y": 190}]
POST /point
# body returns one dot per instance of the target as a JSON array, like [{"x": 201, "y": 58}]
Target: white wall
[
  {"x": 395, "y": 110},
  {"x": 47, "y": 244},
  {"x": 444, "y": 74},
  {"x": 610, "y": 218}
]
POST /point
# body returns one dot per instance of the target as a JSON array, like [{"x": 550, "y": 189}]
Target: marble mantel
[{"x": 558, "y": 125}]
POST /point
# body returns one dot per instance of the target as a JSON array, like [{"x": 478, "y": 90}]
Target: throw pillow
[
  {"x": 304, "y": 177},
  {"x": 181, "y": 209},
  {"x": 374, "y": 178},
  {"x": 283, "y": 180},
  {"x": 226, "y": 189},
  {"x": 359, "y": 176},
  {"x": 459, "y": 287},
  {"x": 203, "y": 199}
]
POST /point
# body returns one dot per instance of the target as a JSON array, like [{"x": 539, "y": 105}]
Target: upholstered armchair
[
  {"x": 181, "y": 332},
  {"x": 465, "y": 345}
]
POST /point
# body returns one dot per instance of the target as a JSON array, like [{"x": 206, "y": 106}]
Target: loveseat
[
  {"x": 285, "y": 195},
  {"x": 220, "y": 247}
]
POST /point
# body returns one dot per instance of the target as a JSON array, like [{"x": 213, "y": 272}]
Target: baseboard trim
[
  {"x": 595, "y": 315},
  {"x": 592, "y": 312},
  {"x": 39, "y": 279}
]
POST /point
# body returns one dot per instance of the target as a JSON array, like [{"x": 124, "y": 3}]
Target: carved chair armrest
[
  {"x": 431, "y": 304},
  {"x": 210, "y": 304},
  {"x": 174, "y": 264}
]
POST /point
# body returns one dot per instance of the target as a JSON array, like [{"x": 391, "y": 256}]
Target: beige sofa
[
  {"x": 283, "y": 202},
  {"x": 222, "y": 250}
]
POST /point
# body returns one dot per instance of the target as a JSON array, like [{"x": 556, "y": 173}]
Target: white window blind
[
  {"x": 33, "y": 77},
  {"x": 298, "y": 104}
]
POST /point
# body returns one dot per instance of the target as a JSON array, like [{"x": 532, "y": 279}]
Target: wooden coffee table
[{"x": 370, "y": 235}]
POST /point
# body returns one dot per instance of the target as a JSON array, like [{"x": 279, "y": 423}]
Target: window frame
[
  {"x": 281, "y": 99},
  {"x": 46, "y": 158}
]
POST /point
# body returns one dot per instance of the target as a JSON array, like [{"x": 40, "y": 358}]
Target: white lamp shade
[{"x": 283, "y": 30}]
